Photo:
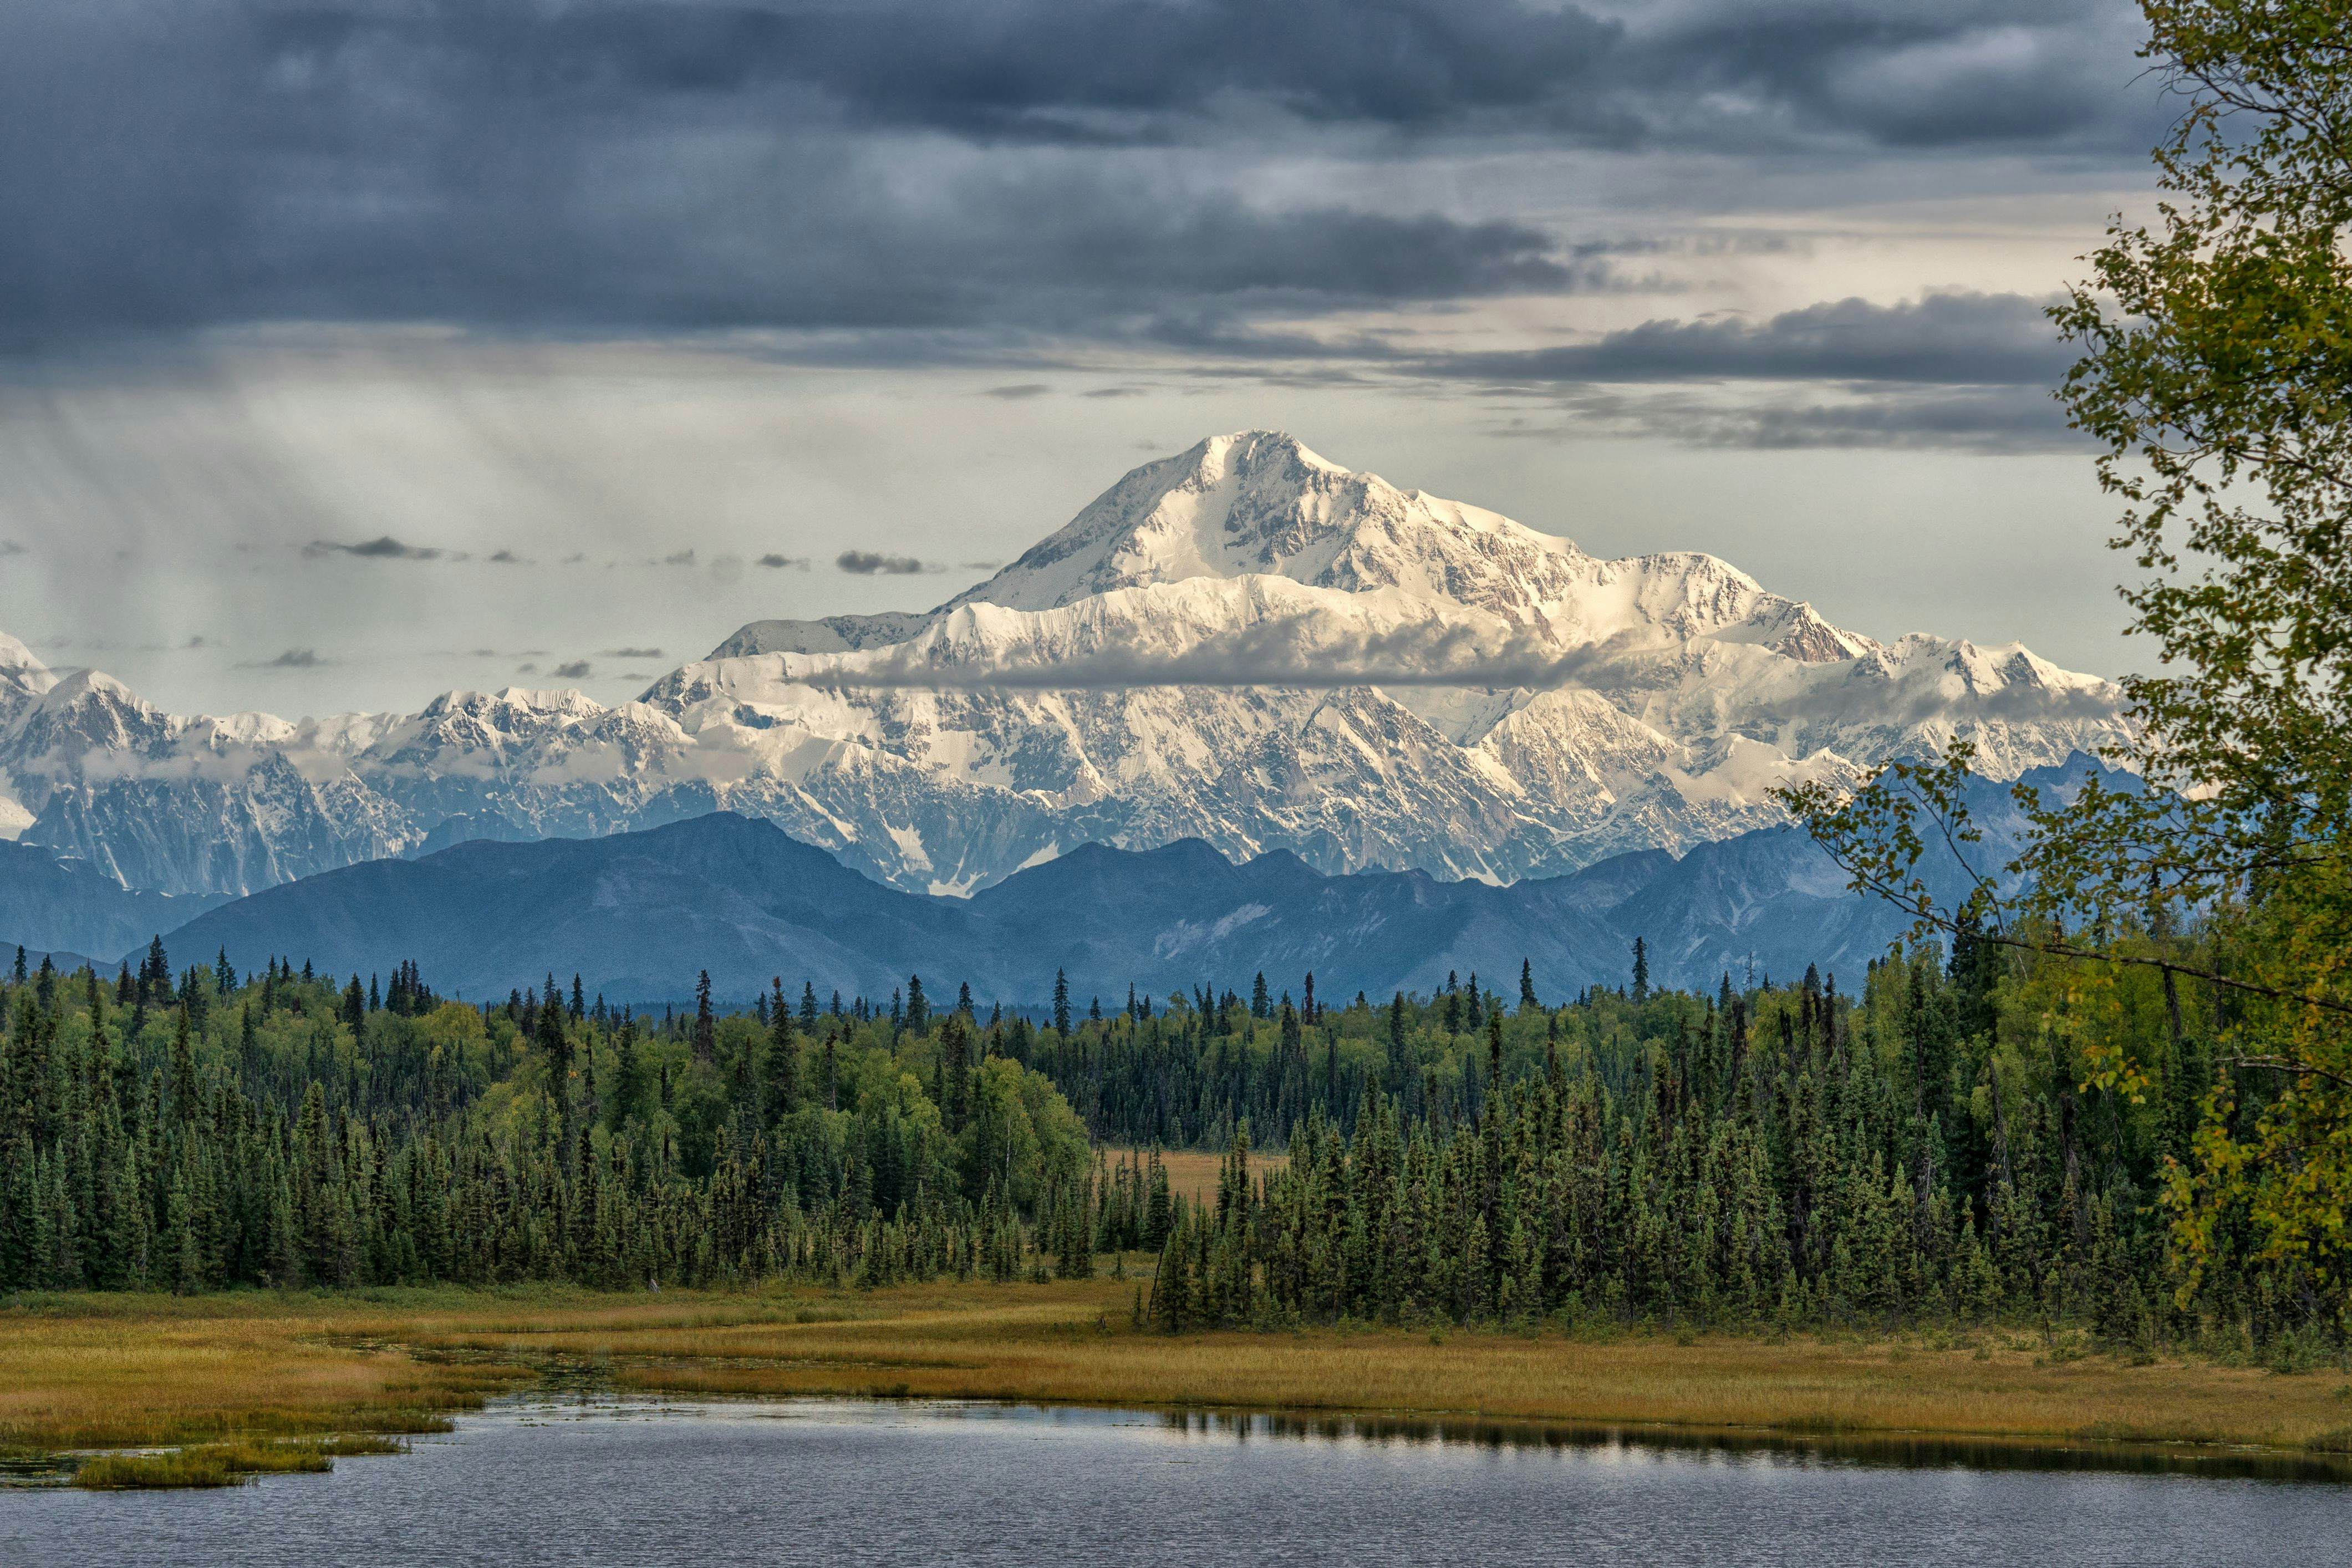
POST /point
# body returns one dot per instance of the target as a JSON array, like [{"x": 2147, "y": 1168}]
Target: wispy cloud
[
  {"x": 799, "y": 563},
  {"x": 869, "y": 563},
  {"x": 633, "y": 653},
  {"x": 1313, "y": 654},
  {"x": 1304, "y": 652},
  {"x": 384, "y": 547},
  {"x": 292, "y": 658},
  {"x": 573, "y": 669}
]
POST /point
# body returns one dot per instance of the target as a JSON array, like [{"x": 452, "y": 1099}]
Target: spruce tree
[
  {"x": 706, "y": 1022},
  {"x": 784, "y": 1066}
]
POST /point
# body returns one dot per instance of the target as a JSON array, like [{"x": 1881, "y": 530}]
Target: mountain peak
[
  {"x": 1251, "y": 502},
  {"x": 23, "y": 675},
  {"x": 16, "y": 658},
  {"x": 1243, "y": 643}
]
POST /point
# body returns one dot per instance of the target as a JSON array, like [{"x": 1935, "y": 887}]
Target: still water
[{"x": 608, "y": 1481}]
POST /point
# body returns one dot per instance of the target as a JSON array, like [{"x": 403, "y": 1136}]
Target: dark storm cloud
[
  {"x": 1943, "y": 338},
  {"x": 601, "y": 167},
  {"x": 1957, "y": 372},
  {"x": 2004, "y": 420},
  {"x": 573, "y": 670},
  {"x": 928, "y": 165},
  {"x": 1094, "y": 73},
  {"x": 1988, "y": 419}
]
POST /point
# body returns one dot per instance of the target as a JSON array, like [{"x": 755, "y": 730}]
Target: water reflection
[
  {"x": 1903, "y": 1450},
  {"x": 649, "y": 1482}
]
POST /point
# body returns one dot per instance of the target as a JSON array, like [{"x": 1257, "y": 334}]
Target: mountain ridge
[
  {"x": 640, "y": 914},
  {"x": 1244, "y": 643}
]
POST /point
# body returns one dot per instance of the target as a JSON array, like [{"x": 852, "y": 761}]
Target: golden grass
[
  {"x": 1071, "y": 1343},
  {"x": 1192, "y": 1173},
  {"x": 92, "y": 1371}
]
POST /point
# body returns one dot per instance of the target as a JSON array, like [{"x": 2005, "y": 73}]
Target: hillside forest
[{"x": 1930, "y": 1145}]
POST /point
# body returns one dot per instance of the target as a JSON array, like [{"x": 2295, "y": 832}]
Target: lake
[{"x": 604, "y": 1481}]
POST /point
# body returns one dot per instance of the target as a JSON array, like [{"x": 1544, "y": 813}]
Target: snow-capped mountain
[{"x": 1244, "y": 644}]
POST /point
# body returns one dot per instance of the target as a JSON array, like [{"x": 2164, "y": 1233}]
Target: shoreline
[{"x": 93, "y": 1373}]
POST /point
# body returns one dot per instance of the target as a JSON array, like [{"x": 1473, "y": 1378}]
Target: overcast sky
[{"x": 354, "y": 350}]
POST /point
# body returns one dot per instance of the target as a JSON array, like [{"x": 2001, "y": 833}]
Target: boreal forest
[{"x": 1928, "y": 1143}]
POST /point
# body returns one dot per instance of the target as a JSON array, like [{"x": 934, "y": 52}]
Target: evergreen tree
[
  {"x": 706, "y": 1022},
  {"x": 783, "y": 1063}
]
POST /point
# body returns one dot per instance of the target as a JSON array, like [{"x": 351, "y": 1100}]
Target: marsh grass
[
  {"x": 228, "y": 1464},
  {"x": 107, "y": 1372},
  {"x": 204, "y": 1465},
  {"x": 100, "y": 1372}
]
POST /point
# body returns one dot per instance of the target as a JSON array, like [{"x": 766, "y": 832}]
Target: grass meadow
[{"x": 211, "y": 1377}]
